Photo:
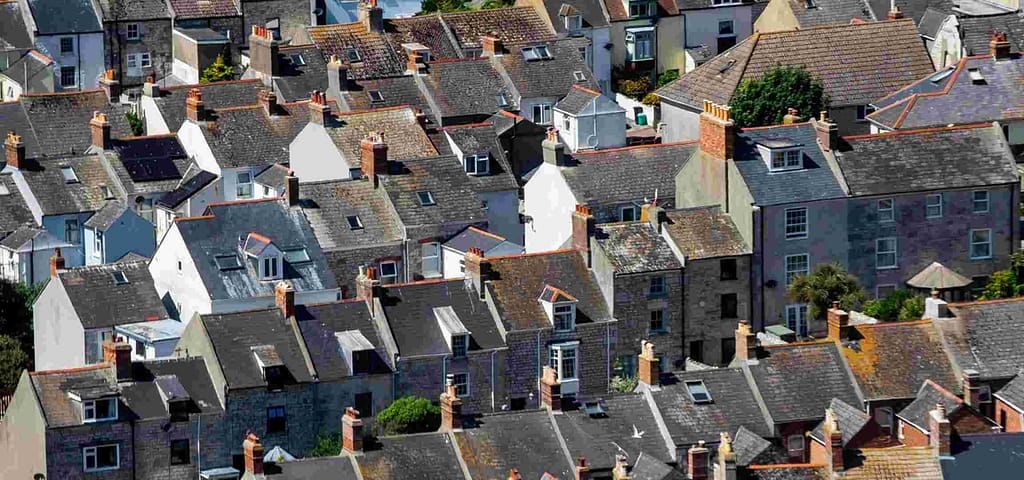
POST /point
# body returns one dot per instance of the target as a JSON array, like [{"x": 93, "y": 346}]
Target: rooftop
[
  {"x": 1013, "y": 392},
  {"x": 491, "y": 244},
  {"x": 328, "y": 206},
  {"x": 69, "y": 185},
  {"x": 551, "y": 77},
  {"x": 929, "y": 395},
  {"x": 405, "y": 138},
  {"x": 184, "y": 9},
  {"x": 635, "y": 247},
  {"x": 452, "y": 193},
  {"x": 827, "y": 12},
  {"x": 704, "y": 232},
  {"x": 426, "y": 455},
  {"x": 919, "y": 463},
  {"x": 217, "y": 95},
  {"x": 57, "y": 124},
  {"x": 599, "y": 437},
  {"x": 116, "y": 10},
  {"x": 992, "y": 455},
  {"x": 115, "y": 294},
  {"x": 54, "y": 17},
  {"x": 797, "y": 381},
  {"x": 319, "y": 325},
  {"x": 236, "y": 338},
  {"x": 14, "y": 211},
  {"x": 733, "y": 405},
  {"x": 527, "y": 441},
  {"x": 591, "y": 11},
  {"x": 986, "y": 336},
  {"x": 816, "y": 180},
  {"x": 302, "y": 69},
  {"x": 627, "y": 174},
  {"x": 249, "y": 137},
  {"x": 466, "y": 88}
]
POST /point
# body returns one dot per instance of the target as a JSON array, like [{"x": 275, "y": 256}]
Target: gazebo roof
[{"x": 938, "y": 277}]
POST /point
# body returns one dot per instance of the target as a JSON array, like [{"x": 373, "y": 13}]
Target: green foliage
[
  {"x": 492, "y": 4},
  {"x": 913, "y": 309},
  {"x": 667, "y": 77},
  {"x": 218, "y": 71},
  {"x": 623, "y": 384},
  {"x": 138, "y": 128},
  {"x": 635, "y": 88},
  {"x": 409, "y": 415},
  {"x": 1006, "y": 283},
  {"x": 651, "y": 99},
  {"x": 16, "y": 311},
  {"x": 830, "y": 282},
  {"x": 900, "y": 305},
  {"x": 328, "y": 445},
  {"x": 12, "y": 361},
  {"x": 764, "y": 101},
  {"x": 443, "y": 6}
]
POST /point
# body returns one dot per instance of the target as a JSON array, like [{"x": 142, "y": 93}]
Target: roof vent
[
  {"x": 594, "y": 410},
  {"x": 726, "y": 67},
  {"x": 976, "y": 77}
]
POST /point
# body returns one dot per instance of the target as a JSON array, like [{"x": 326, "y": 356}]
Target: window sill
[
  {"x": 803, "y": 237},
  {"x": 657, "y": 332},
  {"x": 431, "y": 275},
  {"x": 104, "y": 469},
  {"x": 657, "y": 296},
  {"x": 894, "y": 267},
  {"x": 982, "y": 258},
  {"x": 933, "y": 218}
]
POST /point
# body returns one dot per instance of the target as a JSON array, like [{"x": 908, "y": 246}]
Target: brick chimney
[
  {"x": 373, "y": 152},
  {"x": 939, "y": 430},
  {"x": 492, "y": 45},
  {"x": 337, "y": 75},
  {"x": 14, "y": 150},
  {"x": 649, "y": 370},
  {"x": 790, "y": 117},
  {"x": 253, "y": 454},
  {"x": 263, "y": 52},
  {"x": 582, "y": 470},
  {"x": 838, "y": 323},
  {"x": 583, "y": 227},
  {"x": 195, "y": 109},
  {"x": 100, "y": 130},
  {"x": 110, "y": 86},
  {"x": 554, "y": 149},
  {"x": 56, "y": 263},
  {"x": 698, "y": 459},
  {"x": 319, "y": 110},
  {"x": 422, "y": 119},
  {"x": 746, "y": 342},
  {"x": 371, "y": 16},
  {"x": 118, "y": 354},
  {"x": 451, "y": 407},
  {"x": 416, "y": 64},
  {"x": 291, "y": 188},
  {"x": 513, "y": 474},
  {"x": 550, "y": 390},
  {"x": 894, "y": 12},
  {"x": 999, "y": 46},
  {"x": 827, "y": 131},
  {"x": 351, "y": 431},
  {"x": 268, "y": 100},
  {"x": 833, "y": 440},
  {"x": 717, "y": 131},
  {"x": 478, "y": 269},
  {"x": 972, "y": 387},
  {"x": 726, "y": 458},
  {"x": 284, "y": 298}
]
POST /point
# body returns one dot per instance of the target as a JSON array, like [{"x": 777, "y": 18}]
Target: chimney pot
[
  {"x": 284, "y": 298},
  {"x": 698, "y": 459},
  {"x": 111, "y": 86},
  {"x": 582, "y": 469},
  {"x": 14, "y": 149},
  {"x": 253, "y": 454},
  {"x": 894, "y": 13},
  {"x": 351, "y": 431},
  {"x": 374, "y": 156},
  {"x": 726, "y": 458},
  {"x": 649, "y": 370},
  {"x": 56, "y": 263},
  {"x": 319, "y": 110},
  {"x": 100, "y": 131},
  {"x": 827, "y": 132},
  {"x": 717, "y": 131},
  {"x": 550, "y": 390},
  {"x": 337, "y": 75},
  {"x": 367, "y": 285},
  {"x": 118, "y": 354},
  {"x": 554, "y": 149},
  {"x": 939, "y": 430},
  {"x": 451, "y": 406},
  {"x": 972, "y": 387}
]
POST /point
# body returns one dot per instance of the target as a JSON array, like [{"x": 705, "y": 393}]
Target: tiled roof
[
  {"x": 480, "y": 138},
  {"x": 976, "y": 31},
  {"x": 248, "y": 137},
  {"x": 327, "y": 206},
  {"x": 590, "y": 10},
  {"x": 297, "y": 79},
  {"x": 856, "y": 63},
  {"x": 14, "y": 211},
  {"x": 402, "y": 132},
  {"x": 430, "y": 455},
  {"x": 514, "y": 26},
  {"x": 233, "y": 336},
  {"x": 598, "y": 438},
  {"x": 526, "y": 441},
  {"x": 118, "y": 10},
  {"x": 986, "y": 336},
  {"x": 816, "y": 181},
  {"x": 927, "y": 397},
  {"x": 28, "y": 65},
  {"x": 184, "y": 9},
  {"x": 788, "y": 472},
  {"x": 377, "y": 56},
  {"x": 576, "y": 100},
  {"x": 850, "y": 419},
  {"x": 627, "y": 174},
  {"x": 901, "y": 463},
  {"x": 465, "y": 88},
  {"x": 52, "y": 17},
  {"x": 647, "y": 467},
  {"x": 216, "y": 95},
  {"x": 733, "y": 404},
  {"x": 60, "y": 122},
  {"x": 750, "y": 447},
  {"x": 828, "y": 12},
  {"x": 426, "y": 30},
  {"x": 106, "y": 216},
  {"x": 930, "y": 22},
  {"x": 518, "y": 276},
  {"x": 100, "y": 302},
  {"x": 890, "y": 360},
  {"x": 553, "y": 77},
  {"x": 911, "y": 161},
  {"x": 55, "y": 196},
  {"x": 395, "y": 91},
  {"x": 13, "y": 30},
  {"x": 18, "y": 239},
  {"x": 635, "y": 248},
  {"x": 453, "y": 191},
  {"x": 1013, "y": 392},
  {"x": 912, "y": 9},
  {"x": 704, "y": 232},
  {"x": 797, "y": 381},
  {"x": 320, "y": 323},
  {"x": 336, "y": 468},
  {"x": 52, "y": 387},
  {"x": 273, "y": 176}
]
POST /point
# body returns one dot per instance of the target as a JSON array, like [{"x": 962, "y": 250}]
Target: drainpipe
[{"x": 492, "y": 379}]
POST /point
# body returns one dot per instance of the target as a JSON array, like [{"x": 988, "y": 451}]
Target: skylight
[
  {"x": 297, "y": 59},
  {"x": 227, "y": 262},
  {"x": 727, "y": 66},
  {"x": 579, "y": 76},
  {"x": 120, "y": 278},
  {"x": 376, "y": 96},
  {"x": 698, "y": 391},
  {"x": 502, "y": 100},
  {"x": 354, "y": 222},
  {"x": 4, "y": 190},
  {"x": 976, "y": 77},
  {"x": 536, "y": 52},
  {"x": 426, "y": 198},
  {"x": 69, "y": 174},
  {"x": 941, "y": 75},
  {"x": 296, "y": 255},
  {"x": 353, "y": 55}
]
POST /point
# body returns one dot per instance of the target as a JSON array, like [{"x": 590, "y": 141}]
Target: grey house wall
[
  {"x": 59, "y": 338},
  {"x": 23, "y": 434}
]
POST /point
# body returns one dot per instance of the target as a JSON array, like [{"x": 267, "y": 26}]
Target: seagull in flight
[{"x": 637, "y": 433}]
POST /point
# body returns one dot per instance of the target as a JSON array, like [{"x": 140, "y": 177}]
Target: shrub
[
  {"x": 651, "y": 99},
  {"x": 409, "y": 415},
  {"x": 635, "y": 87},
  {"x": 623, "y": 384},
  {"x": 668, "y": 77},
  {"x": 328, "y": 445},
  {"x": 900, "y": 305},
  {"x": 138, "y": 129},
  {"x": 218, "y": 71},
  {"x": 912, "y": 309}
]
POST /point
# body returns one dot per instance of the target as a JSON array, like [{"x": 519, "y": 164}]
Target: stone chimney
[
  {"x": 319, "y": 110},
  {"x": 746, "y": 342},
  {"x": 939, "y": 430},
  {"x": 649, "y": 369},
  {"x": 478, "y": 269},
  {"x": 110, "y": 86},
  {"x": 582, "y": 470},
  {"x": 195, "y": 109},
  {"x": 56, "y": 263},
  {"x": 621, "y": 469},
  {"x": 972, "y": 387},
  {"x": 100, "y": 130},
  {"x": 451, "y": 407},
  {"x": 253, "y": 455},
  {"x": 550, "y": 390},
  {"x": 14, "y": 150},
  {"x": 999, "y": 46},
  {"x": 351, "y": 431},
  {"x": 717, "y": 131},
  {"x": 698, "y": 459},
  {"x": 790, "y": 117},
  {"x": 291, "y": 188},
  {"x": 554, "y": 149},
  {"x": 367, "y": 285},
  {"x": 583, "y": 227},
  {"x": 653, "y": 214},
  {"x": 371, "y": 16},
  {"x": 118, "y": 354},
  {"x": 416, "y": 64},
  {"x": 833, "y": 440},
  {"x": 284, "y": 298},
  {"x": 268, "y": 100},
  {"x": 827, "y": 131},
  {"x": 838, "y": 323},
  {"x": 492, "y": 45},
  {"x": 935, "y": 307},
  {"x": 337, "y": 75},
  {"x": 263, "y": 52},
  {"x": 726, "y": 458},
  {"x": 373, "y": 153}
]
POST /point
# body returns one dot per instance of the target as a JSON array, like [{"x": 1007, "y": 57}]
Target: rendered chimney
[
  {"x": 100, "y": 128},
  {"x": 284, "y": 298},
  {"x": 550, "y": 390},
  {"x": 972, "y": 387},
  {"x": 56, "y": 263},
  {"x": 583, "y": 228},
  {"x": 746, "y": 342},
  {"x": 195, "y": 109},
  {"x": 268, "y": 100},
  {"x": 935, "y": 306},
  {"x": 351, "y": 431},
  {"x": 827, "y": 132},
  {"x": 14, "y": 150},
  {"x": 790, "y": 117},
  {"x": 726, "y": 458},
  {"x": 838, "y": 323},
  {"x": 150, "y": 88},
  {"x": 319, "y": 110},
  {"x": 263, "y": 52},
  {"x": 337, "y": 75},
  {"x": 373, "y": 152},
  {"x": 451, "y": 407},
  {"x": 554, "y": 149},
  {"x": 652, "y": 214},
  {"x": 649, "y": 369},
  {"x": 582, "y": 470},
  {"x": 939, "y": 430},
  {"x": 999, "y": 46},
  {"x": 110, "y": 86},
  {"x": 416, "y": 64},
  {"x": 717, "y": 131},
  {"x": 833, "y": 440},
  {"x": 367, "y": 285},
  {"x": 118, "y": 354},
  {"x": 698, "y": 460},
  {"x": 253, "y": 454},
  {"x": 621, "y": 469},
  {"x": 291, "y": 188},
  {"x": 492, "y": 45},
  {"x": 371, "y": 16},
  {"x": 478, "y": 269}
]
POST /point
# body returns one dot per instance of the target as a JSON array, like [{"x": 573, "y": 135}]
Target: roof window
[
  {"x": 580, "y": 77},
  {"x": 941, "y": 74},
  {"x": 354, "y": 222},
  {"x": 698, "y": 391},
  {"x": 976, "y": 77},
  {"x": 560, "y": 307},
  {"x": 536, "y": 52},
  {"x": 4, "y": 190},
  {"x": 426, "y": 198},
  {"x": 376, "y": 96},
  {"x": 296, "y": 255},
  {"x": 120, "y": 278},
  {"x": 69, "y": 174},
  {"x": 726, "y": 67},
  {"x": 297, "y": 59},
  {"x": 227, "y": 262},
  {"x": 502, "y": 100},
  {"x": 353, "y": 55}
]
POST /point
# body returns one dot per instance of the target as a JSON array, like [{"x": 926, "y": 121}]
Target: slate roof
[
  {"x": 31, "y": 65},
  {"x": 56, "y": 197},
  {"x": 733, "y": 405},
  {"x": 143, "y": 397},
  {"x": 427, "y": 455},
  {"x": 396, "y": 91},
  {"x": 856, "y": 63},
  {"x": 483, "y": 137},
  {"x": 1013, "y": 392},
  {"x": 234, "y": 335},
  {"x": 912, "y": 9},
  {"x": 490, "y": 243},
  {"x": 219, "y": 232},
  {"x": 928, "y": 396},
  {"x": 248, "y": 137},
  {"x": 118, "y": 10},
  {"x": 514, "y": 25},
  {"x": 890, "y": 360},
  {"x": 426, "y": 30},
  {"x": 14, "y": 211},
  {"x": 553, "y": 77},
  {"x": 54, "y": 17},
  {"x": 327, "y": 206},
  {"x": 919, "y": 463},
  {"x": 789, "y": 471},
  {"x": 106, "y": 216},
  {"x": 526, "y": 441},
  {"x": 273, "y": 176},
  {"x": 319, "y": 323},
  {"x": 378, "y": 58},
  {"x": 296, "y": 80},
  {"x": 749, "y": 447},
  {"x": 99, "y": 302},
  {"x": 596, "y": 437},
  {"x": 930, "y": 22},
  {"x": 976, "y": 31},
  {"x": 402, "y": 133},
  {"x": 939, "y": 100},
  {"x": 13, "y": 30},
  {"x": 518, "y": 276},
  {"x": 828, "y": 12},
  {"x": 797, "y": 381},
  {"x": 337, "y": 468},
  {"x": 628, "y": 174},
  {"x": 913, "y": 161},
  {"x": 60, "y": 122},
  {"x": 850, "y": 419},
  {"x": 465, "y": 87},
  {"x": 18, "y": 240},
  {"x": 410, "y": 312},
  {"x": 704, "y": 232},
  {"x": 986, "y": 336},
  {"x": 647, "y": 467},
  {"x": 991, "y": 455},
  {"x": 216, "y": 95},
  {"x": 635, "y": 248},
  {"x": 454, "y": 192},
  {"x": 590, "y": 10},
  {"x": 816, "y": 181},
  {"x": 188, "y": 187},
  {"x": 576, "y": 100},
  {"x": 185, "y": 9},
  {"x": 52, "y": 387}
]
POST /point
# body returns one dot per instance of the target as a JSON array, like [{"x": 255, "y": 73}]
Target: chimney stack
[
  {"x": 56, "y": 263},
  {"x": 650, "y": 369},
  {"x": 284, "y": 298},
  {"x": 554, "y": 149},
  {"x": 100, "y": 130},
  {"x": 582, "y": 469},
  {"x": 14, "y": 149},
  {"x": 337, "y": 75},
  {"x": 652, "y": 213},
  {"x": 478, "y": 269},
  {"x": 746, "y": 342},
  {"x": 253, "y": 455},
  {"x": 726, "y": 458},
  {"x": 583, "y": 227},
  {"x": 621, "y": 469},
  {"x": 291, "y": 188},
  {"x": 833, "y": 440},
  {"x": 935, "y": 307},
  {"x": 492, "y": 45},
  {"x": 263, "y": 53},
  {"x": 894, "y": 13},
  {"x": 827, "y": 131},
  {"x": 319, "y": 110},
  {"x": 351, "y": 431},
  {"x": 972, "y": 387},
  {"x": 118, "y": 354},
  {"x": 939, "y": 430},
  {"x": 513, "y": 474},
  {"x": 373, "y": 153},
  {"x": 698, "y": 459},
  {"x": 999, "y": 46},
  {"x": 371, "y": 16},
  {"x": 416, "y": 64},
  {"x": 150, "y": 88},
  {"x": 268, "y": 100},
  {"x": 367, "y": 285},
  {"x": 717, "y": 131},
  {"x": 422, "y": 119},
  {"x": 195, "y": 109},
  {"x": 790, "y": 117},
  {"x": 838, "y": 323},
  {"x": 111, "y": 86},
  {"x": 451, "y": 406},
  {"x": 550, "y": 390}
]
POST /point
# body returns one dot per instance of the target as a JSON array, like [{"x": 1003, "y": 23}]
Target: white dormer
[
  {"x": 781, "y": 154},
  {"x": 270, "y": 364},
  {"x": 455, "y": 333},
  {"x": 357, "y": 351},
  {"x": 417, "y": 48},
  {"x": 268, "y": 256},
  {"x": 477, "y": 164},
  {"x": 560, "y": 308},
  {"x": 101, "y": 409}
]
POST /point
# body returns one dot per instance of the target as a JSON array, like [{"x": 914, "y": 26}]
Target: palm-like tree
[{"x": 829, "y": 283}]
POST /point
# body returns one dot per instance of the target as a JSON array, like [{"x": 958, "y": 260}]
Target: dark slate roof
[
  {"x": 473, "y": 237},
  {"x": 22, "y": 235},
  {"x": 234, "y": 335},
  {"x": 828, "y": 12},
  {"x": 991, "y": 455},
  {"x": 986, "y": 336},
  {"x": 328, "y": 205},
  {"x": 31, "y": 65},
  {"x": 454, "y": 192},
  {"x": 202, "y": 34},
  {"x": 403, "y": 134},
  {"x": 928, "y": 396},
  {"x": 295, "y": 79},
  {"x": 465, "y": 87},
  {"x": 410, "y": 312},
  {"x": 427, "y": 455},
  {"x": 483, "y": 137},
  {"x": 248, "y": 137},
  {"x": 627, "y": 174},
  {"x": 217, "y": 95},
  {"x": 337, "y": 468},
  {"x": 976, "y": 31},
  {"x": 577, "y": 99},
  {"x": 521, "y": 279},
  {"x": 106, "y": 216},
  {"x": 426, "y": 30},
  {"x": 816, "y": 181},
  {"x": 635, "y": 247},
  {"x": 218, "y": 233},
  {"x": 60, "y": 122},
  {"x": 526, "y": 441},
  {"x": 396, "y": 91},
  {"x": 930, "y": 22},
  {"x": 14, "y": 211},
  {"x": 188, "y": 187},
  {"x": 912, "y": 9},
  {"x": 153, "y": 164},
  {"x": 733, "y": 405},
  {"x": 273, "y": 176},
  {"x": 598, "y": 438},
  {"x": 890, "y": 360},
  {"x": 749, "y": 447},
  {"x": 184, "y": 9},
  {"x": 319, "y": 323},
  {"x": 704, "y": 232},
  {"x": 590, "y": 10},
  {"x": 797, "y": 381},
  {"x": 99, "y": 302},
  {"x": 378, "y": 57},
  {"x": 647, "y": 467},
  {"x": 514, "y": 26},
  {"x": 1013, "y": 392},
  {"x": 856, "y": 63},
  {"x": 56, "y": 197},
  {"x": 119, "y": 10},
  {"x": 13, "y": 30},
  {"x": 54, "y": 17},
  {"x": 52, "y": 387},
  {"x": 618, "y": 11},
  {"x": 143, "y": 396},
  {"x": 553, "y": 77},
  {"x": 912, "y": 161},
  {"x": 851, "y": 420}
]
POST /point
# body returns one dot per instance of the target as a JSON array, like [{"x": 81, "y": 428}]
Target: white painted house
[
  {"x": 25, "y": 255},
  {"x": 69, "y": 32},
  {"x": 589, "y": 120}
]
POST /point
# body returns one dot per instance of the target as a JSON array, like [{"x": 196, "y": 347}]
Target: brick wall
[
  {"x": 1007, "y": 417},
  {"x": 912, "y": 437},
  {"x": 703, "y": 297}
]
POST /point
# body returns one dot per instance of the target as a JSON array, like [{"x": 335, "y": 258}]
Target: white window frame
[
  {"x": 643, "y": 9},
  {"x": 882, "y": 263},
  {"x": 461, "y": 383},
  {"x": 634, "y": 43},
  {"x": 929, "y": 205},
  {"x": 132, "y": 31},
  {"x": 976, "y": 201},
  {"x": 72, "y": 231},
  {"x": 434, "y": 260},
  {"x": 799, "y": 229},
  {"x": 97, "y": 244},
  {"x": 472, "y": 164},
  {"x": 863, "y": 111},
  {"x": 724, "y": 3},
  {"x": 89, "y": 410},
  {"x": 243, "y": 190},
  {"x": 93, "y": 452},
  {"x": 558, "y": 359},
  {"x": 391, "y": 278},
  {"x": 560, "y": 311},
  {"x": 573, "y": 22},
  {"x": 796, "y": 318},
  {"x": 464, "y": 350},
  {"x": 542, "y": 113},
  {"x": 781, "y": 160},
  {"x": 987, "y": 243},
  {"x": 791, "y": 274},
  {"x": 145, "y": 60},
  {"x": 629, "y": 208},
  {"x": 270, "y": 267},
  {"x": 886, "y": 214}
]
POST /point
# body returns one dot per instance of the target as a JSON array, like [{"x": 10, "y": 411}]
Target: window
[
  {"x": 68, "y": 77},
  {"x": 502, "y": 100},
  {"x": 585, "y": 55},
  {"x": 461, "y": 382},
  {"x": 796, "y": 265},
  {"x": 536, "y": 52},
  {"x": 725, "y": 27},
  {"x": 795, "y": 446},
  {"x": 71, "y": 233},
  {"x": 542, "y": 114},
  {"x": 224, "y": 262},
  {"x": 883, "y": 291},
  {"x": 796, "y": 319},
  {"x": 98, "y": 245},
  {"x": 426, "y": 198},
  {"x": 981, "y": 244},
  {"x": 698, "y": 391},
  {"x": 296, "y": 255},
  {"x": 567, "y": 123},
  {"x": 796, "y": 223},
  {"x": 980, "y": 201},
  {"x": 658, "y": 287},
  {"x": 67, "y": 45},
  {"x": 268, "y": 268},
  {"x": 431, "y": 253},
  {"x": 243, "y": 185},
  {"x": 640, "y": 45},
  {"x": 353, "y": 55},
  {"x": 657, "y": 321},
  {"x": 727, "y": 269},
  {"x": 579, "y": 76},
  {"x": 479, "y": 164},
  {"x": 863, "y": 111},
  {"x": 145, "y": 208},
  {"x": 364, "y": 404},
  {"x": 376, "y": 96},
  {"x": 886, "y": 213},
  {"x": 101, "y": 457},
  {"x": 933, "y": 206},
  {"x": 883, "y": 416},
  {"x": 354, "y": 223},
  {"x": 99, "y": 410},
  {"x": 729, "y": 305},
  {"x": 625, "y": 366},
  {"x": 885, "y": 253},
  {"x": 69, "y": 174},
  {"x": 629, "y": 214},
  {"x": 180, "y": 454},
  {"x": 563, "y": 360},
  {"x": 460, "y": 344},
  {"x": 120, "y": 278},
  {"x": 697, "y": 350},
  {"x": 139, "y": 60},
  {"x": 132, "y": 31},
  {"x": 564, "y": 317},
  {"x": 573, "y": 22},
  {"x": 388, "y": 273},
  {"x": 718, "y": 3},
  {"x": 640, "y": 9},
  {"x": 786, "y": 160},
  {"x": 275, "y": 420}
]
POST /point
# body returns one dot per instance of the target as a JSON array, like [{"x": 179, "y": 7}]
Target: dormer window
[
  {"x": 269, "y": 268},
  {"x": 455, "y": 332},
  {"x": 268, "y": 257},
  {"x": 786, "y": 160},
  {"x": 536, "y": 52},
  {"x": 270, "y": 364},
  {"x": 781, "y": 154},
  {"x": 99, "y": 410},
  {"x": 640, "y": 9},
  {"x": 460, "y": 345},
  {"x": 376, "y": 96},
  {"x": 357, "y": 351},
  {"x": 69, "y": 174},
  {"x": 573, "y": 22},
  {"x": 479, "y": 164},
  {"x": 560, "y": 307}
]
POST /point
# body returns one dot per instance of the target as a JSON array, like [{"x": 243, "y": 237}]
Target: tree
[
  {"x": 900, "y": 305},
  {"x": 830, "y": 282},
  {"x": 218, "y": 71},
  {"x": 443, "y": 6},
  {"x": 409, "y": 415},
  {"x": 12, "y": 361},
  {"x": 327, "y": 445},
  {"x": 764, "y": 101},
  {"x": 1006, "y": 283},
  {"x": 16, "y": 311}
]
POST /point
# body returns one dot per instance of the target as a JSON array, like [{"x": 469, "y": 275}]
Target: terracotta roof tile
[{"x": 204, "y": 8}]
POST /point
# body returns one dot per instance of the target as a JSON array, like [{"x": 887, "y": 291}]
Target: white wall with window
[
  {"x": 430, "y": 260},
  {"x": 78, "y": 59},
  {"x": 564, "y": 358},
  {"x": 640, "y": 44},
  {"x": 711, "y": 26}
]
